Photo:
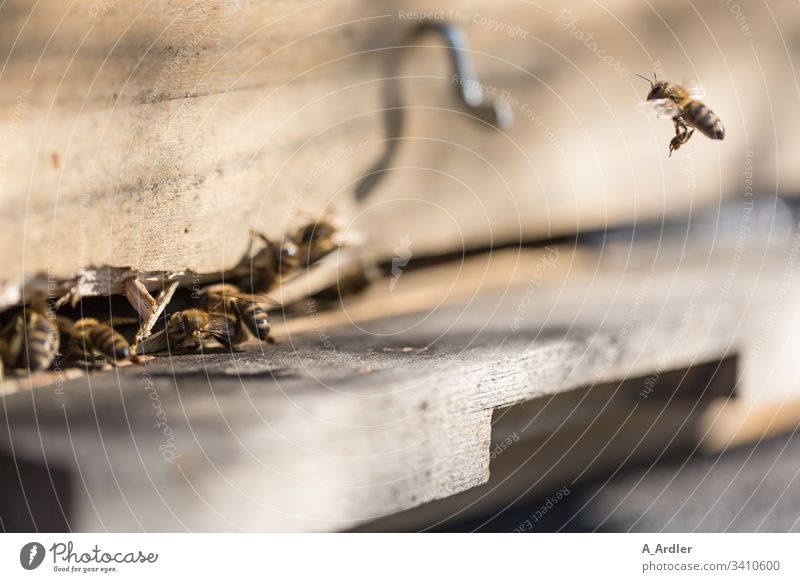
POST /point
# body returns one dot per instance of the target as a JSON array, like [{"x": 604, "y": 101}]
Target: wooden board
[
  {"x": 558, "y": 443},
  {"x": 349, "y": 420},
  {"x": 153, "y": 137}
]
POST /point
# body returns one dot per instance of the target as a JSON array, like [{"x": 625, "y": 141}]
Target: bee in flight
[{"x": 686, "y": 109}]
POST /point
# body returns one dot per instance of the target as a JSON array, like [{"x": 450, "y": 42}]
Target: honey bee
[
  {"x": 11, "y": 342},
  {"x": 31, "y": 340},
  {"x": 686, "y": 109},
  {"x": 262, "y": 271},
  {"x": 188, "y": 329},
  {"x": 316, "y": 240},
  {"x": 276, "y": 262},
  {"x": 102, "y": 339},
  {"x": 73, "y": 346},
  {"x": 251, "y": 309}
]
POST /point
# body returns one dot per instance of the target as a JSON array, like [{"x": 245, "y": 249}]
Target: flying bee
[
  {"x": 31, "y": 340},
  {"x": 686, "y": 109},
  {"x": 102, "y": 339},
  {"x": 251, "y": 309},
  {"x": 189, "y": 328}
]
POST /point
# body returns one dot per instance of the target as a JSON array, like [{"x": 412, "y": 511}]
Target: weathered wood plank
[
  {"x": 341, "y": 423},
  {"x": 556, "y": 443}
]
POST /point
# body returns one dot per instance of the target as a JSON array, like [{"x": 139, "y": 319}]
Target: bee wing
[
  {"x": 265, "y": 301},
  {"x": 226, "y": 329},
  {"x": 695, "y": 89},
  {"x": 219, "y": 289},
  {"x": 154, "y": 343},
  {"x": 348, "y": 238},
  {"x": 660, "y": 107},
  {"x": 228, "y": 291}
]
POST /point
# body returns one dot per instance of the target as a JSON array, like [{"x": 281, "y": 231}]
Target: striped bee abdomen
[
  {"x": 72, "y": 346},
  {"x": 698, "y": 115},
  {"x": 255, "y": 318},
  {"x": 109, "y": 343},
  {"x": 42, "y": 341}
]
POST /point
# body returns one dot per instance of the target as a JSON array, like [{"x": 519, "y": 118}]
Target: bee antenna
[{"x": 646, "y": 79}]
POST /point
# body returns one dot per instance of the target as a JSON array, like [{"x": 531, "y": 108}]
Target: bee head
[
  {"x": 177, "y": 324},
  {"x": 658, "y": 89},
  {"x": 288, "y": 250}
]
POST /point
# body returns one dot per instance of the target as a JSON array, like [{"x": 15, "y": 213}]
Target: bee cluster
[{"x": 38, "y": 338}]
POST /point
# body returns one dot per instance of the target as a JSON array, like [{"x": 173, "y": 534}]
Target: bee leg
[
  {"x": 682, "y": 135},
  {"x": 674, "y": 144}
]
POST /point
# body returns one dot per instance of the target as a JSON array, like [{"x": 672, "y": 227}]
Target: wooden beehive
[{"x": 152, "y": 138}]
